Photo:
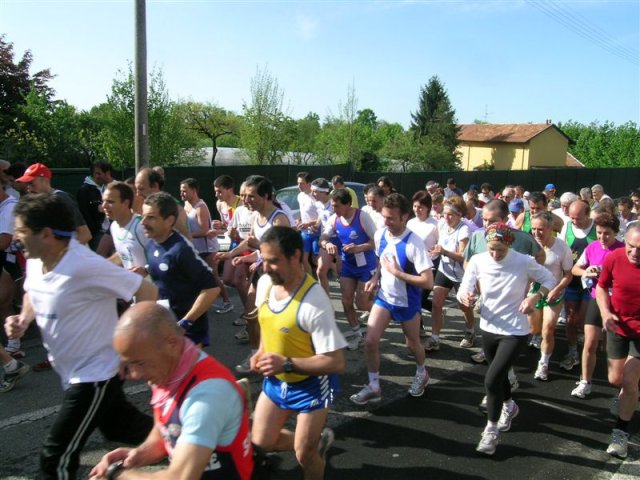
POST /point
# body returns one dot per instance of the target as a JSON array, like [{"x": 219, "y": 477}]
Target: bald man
[{"x": 201, "y": 417}]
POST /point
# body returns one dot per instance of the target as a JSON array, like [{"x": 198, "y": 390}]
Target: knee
[
  {"x": 306, "y": 455},
  {"x": 615, "y": 378}
]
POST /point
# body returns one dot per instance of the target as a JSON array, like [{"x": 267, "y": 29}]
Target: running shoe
[
  {"x": 355, "y": 341},
  {"x": 614, "y": 408},
  {"x": 418, "y": 385},
  {"x": 240, "y": 322},
  {"x": 327, "y": 437},
  {"x": 513, "y": 379},
  {"x": 483, "y": 405},
  {"x": 618, "y": 443},
  {"x": 42, "y": 366},
  {"x": 569, "y": 361},
  {"x": 542, "y": 372},
  {"x": 244, "y": 367},
  {"x": 488, "y": 442},
  {"x": 225, "y": 308},
  {"x": 432, "y": 345},
  {"x": 582, "y": 390},
  {"x": 364, "y": 317},
  {"x": 468, "y": 340},
  {"x": 479, "y": 357},
  {"x": 562, "y": 320},
  {"x": 242, "y": 336},
  {"x": 535, "y": 341},
  {"x": 366, "y": 395},
  {"x": 16, "y": 353},
  {"x": 10, "y": 379},
  {"x": 507, "y": 415}
]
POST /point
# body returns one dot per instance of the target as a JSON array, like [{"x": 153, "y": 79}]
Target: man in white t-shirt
[
  {"x": 300, "y": 354},
  {"x": 126, "y": 229},
  {"x": 404, "y": 269},
  {"x": 308, "y": 219},
  {"x": 71, "y": 292}
]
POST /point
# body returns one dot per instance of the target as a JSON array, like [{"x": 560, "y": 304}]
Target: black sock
[{"x": 622, "y": 425}]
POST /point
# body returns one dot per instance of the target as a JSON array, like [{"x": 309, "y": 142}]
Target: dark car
[{"x": 289, "y": 195}]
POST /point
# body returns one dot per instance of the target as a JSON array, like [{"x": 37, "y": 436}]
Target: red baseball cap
[{"x": 34, "y": 171}]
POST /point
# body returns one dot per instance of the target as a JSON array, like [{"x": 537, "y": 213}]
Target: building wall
[
  {"x": 503, "y": 156},
  {"x": 549, "y": 149}
]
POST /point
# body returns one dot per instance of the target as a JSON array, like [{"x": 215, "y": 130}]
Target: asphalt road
[{"x": 555, "y": 436}]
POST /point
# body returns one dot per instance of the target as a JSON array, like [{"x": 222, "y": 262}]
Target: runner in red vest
[{"x": 201, "y": 414}]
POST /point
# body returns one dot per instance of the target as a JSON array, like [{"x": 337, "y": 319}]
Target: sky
[{"x": 509, "y": 61}]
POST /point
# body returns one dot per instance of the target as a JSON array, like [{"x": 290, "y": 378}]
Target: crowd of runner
[{"x": 520, "y": 263}]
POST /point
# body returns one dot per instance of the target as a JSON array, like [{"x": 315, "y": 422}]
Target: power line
[{"x": 585, "y": 29}]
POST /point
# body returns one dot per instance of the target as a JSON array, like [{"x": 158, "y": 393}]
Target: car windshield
[{"x": 289, "y": 196}]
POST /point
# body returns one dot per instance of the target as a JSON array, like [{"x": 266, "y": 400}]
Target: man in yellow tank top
[{"x": 300, "y": 354}]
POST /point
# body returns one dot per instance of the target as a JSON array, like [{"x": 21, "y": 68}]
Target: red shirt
[{"x": 624, "y": 279}]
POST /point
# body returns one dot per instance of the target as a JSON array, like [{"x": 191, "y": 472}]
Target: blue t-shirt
[{"x": 180, "y": 275}]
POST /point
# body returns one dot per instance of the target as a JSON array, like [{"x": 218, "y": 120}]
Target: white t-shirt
[
  {"x": 129, "y": 242},
  {"x": 7, "y": 206},
  {"x": 451, "y": 242},
  {"x": 393, "y": 290},
  {"x": 377, "y": 217},
  {"x": 427, "y": 231},
  {"x": 242, "y": 221},
  {"x": 558, "y": 259},
  {"x": 289, "y": 213},
  {"x": 504, "y": 285},
  {"x": 315, "y": 315},
  {"x": 308, "y": 209},
  {"x": 75, "y": 308},
  {"x": 325, "y": 211}
]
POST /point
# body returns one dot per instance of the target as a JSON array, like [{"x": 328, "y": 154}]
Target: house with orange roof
[{"x": 512, "y": 146}]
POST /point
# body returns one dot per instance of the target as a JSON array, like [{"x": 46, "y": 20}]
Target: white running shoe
[
  {"x": 488, "y": 442},
  {"x": 366, "y": 395},
  {"x": 542, "y": 372},
  {"x": 418, "y": 385},
  {"x": 582, "y": 390},
  {"x": 432, "y": 345},
  {"x": 506, "y": 416},
  {"x": 618, "y": 443},
  {"x": 355, "y": 341}
]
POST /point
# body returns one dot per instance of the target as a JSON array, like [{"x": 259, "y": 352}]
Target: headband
[
  {"x": 62, "y": 233},
  {"x": 500, "y": 232},
  {"x": 453, "y": 209},
  {"x": 319, "y": 189}
]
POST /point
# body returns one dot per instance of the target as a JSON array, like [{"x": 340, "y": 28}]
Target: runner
[
  {"x": 504, "y": 276},
  {"x": 201, "y": 415},
  {"x": 299, "y": 356},
  {"x": 355, "y": 230},
  {"x": 320, "y": 189},
  {"x": 620, "y": 314},
  {"x": 404, "y": 269},
  {"x": 308, "y": 220}
]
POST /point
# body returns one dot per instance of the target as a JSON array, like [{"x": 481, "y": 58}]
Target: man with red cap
[{"x": 38, "y": 180}]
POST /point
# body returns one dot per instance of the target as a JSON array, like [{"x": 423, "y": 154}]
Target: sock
[
  {"x": 435, "y": 337},
  {"x": 374, "y": 380},
  {"x": 421, "y": 370},
  {"x": 491, "y": 426},
  {"x": 356, "y": 330},
  {"x": 622, "y": 425},
  {"x": 12, "y": 366},
  {"x": 509, "y": 404},
  {"x": 544, "y": 358},
  {"x": 470, "y": 330},
  {"x": 573, "y": 350}
]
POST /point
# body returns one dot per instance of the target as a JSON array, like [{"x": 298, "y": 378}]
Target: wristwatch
[
  {"x": 288, "y": 366},
  {"x": 114, "y": 469}
]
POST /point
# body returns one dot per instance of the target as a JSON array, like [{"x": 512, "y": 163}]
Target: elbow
[{"x": 338, "y": 363}]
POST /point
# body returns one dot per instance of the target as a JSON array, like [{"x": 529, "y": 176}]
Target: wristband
[
  {"x": 114, "y": 469},
  {"x": 186, "y": 324}
]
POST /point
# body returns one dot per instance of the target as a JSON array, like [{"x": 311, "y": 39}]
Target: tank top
[
  {"x": 353, "y": 232},
  {"x": 201, "y": 244},
  {"x": 281, "y": 332},
  {"x": 234, "y": 461},
  {"x": 260, "y": 230},
  {"x": 577, "y": 246}
]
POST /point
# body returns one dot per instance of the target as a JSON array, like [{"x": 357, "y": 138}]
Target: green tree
[
  {"x": 263, "y": 135},
  {"x": 304, "y": 144},
  {"x": 434, "y": 123},
  {"x": 170, "y": 141},
  {"x": 210, "y": 121},
  {"x": 16, "y": 82}
]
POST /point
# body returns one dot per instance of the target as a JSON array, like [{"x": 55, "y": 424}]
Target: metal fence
[{"x": 616, "y": 181}]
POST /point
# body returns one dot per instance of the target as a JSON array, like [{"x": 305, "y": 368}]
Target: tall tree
[
  {"x": 305, "y": 137},
  {"x": 15, "y": 84},
  {"x": 211, "y": 121},
  {"x": 263, "y": 135},
  {"x": 435, "y": 118}
]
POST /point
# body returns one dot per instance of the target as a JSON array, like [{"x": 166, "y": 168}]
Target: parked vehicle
[{"x": 289, "y": 195}]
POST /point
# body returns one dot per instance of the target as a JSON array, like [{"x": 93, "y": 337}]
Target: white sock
[
  {"x": 374, "y": 380},
  {"x": 509, "y": 404},
  {"x": 12, "y": 366},
  {"x": 421, "y": 370},
  {"x": 544, "y": 358},
  {"x": 435, "y": 337},
  {"x": 491, "y": 427},
  {"x": 356, "y": 330}
]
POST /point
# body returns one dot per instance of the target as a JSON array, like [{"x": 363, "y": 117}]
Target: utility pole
[{"x": 141, "y": 116}]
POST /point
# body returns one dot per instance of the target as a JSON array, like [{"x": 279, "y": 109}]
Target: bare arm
[
  {"x": 146, "y": 291},
  {"x": 321, "y": 364},
  {"x": 181, "y": 223},
  {"x": 83, "y": 234},
  {"x": 202, "y": 303}
]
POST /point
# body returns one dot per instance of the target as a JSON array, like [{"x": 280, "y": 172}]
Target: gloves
[{"x": 186, "y": 324}]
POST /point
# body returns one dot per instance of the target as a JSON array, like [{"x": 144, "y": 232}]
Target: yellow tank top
[{"x": 281, "y": 332}]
